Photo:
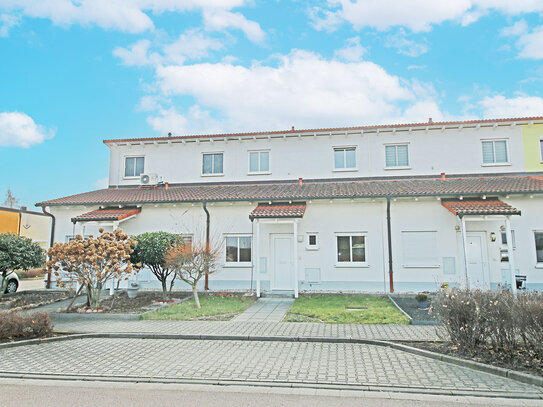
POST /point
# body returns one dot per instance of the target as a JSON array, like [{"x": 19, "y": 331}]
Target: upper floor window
[
  {"x": 238, "y": 249},
  {"x": 134, "y": 166},
  {"x": 397, "y": 156},
  {"x": 495, "y": 152},
  {"x": 212, "y": 164},
  {"x": 259, "y": 162},
  {"x": 345, "y": 158}
]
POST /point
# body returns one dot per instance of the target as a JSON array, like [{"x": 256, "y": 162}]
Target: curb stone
[{"x": 498, "y": 371}]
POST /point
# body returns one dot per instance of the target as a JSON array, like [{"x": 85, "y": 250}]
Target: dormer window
[{"x": 134, "y": 166}]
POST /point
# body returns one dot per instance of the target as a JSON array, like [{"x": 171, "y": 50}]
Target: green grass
[
  {"x": 332, "y": 309},
  {"x": 213, "y": 307}
]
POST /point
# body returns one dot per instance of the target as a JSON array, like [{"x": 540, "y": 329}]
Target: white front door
[
  {"x": 282, "y": 263},
  {"x": 477, "y": 261}
]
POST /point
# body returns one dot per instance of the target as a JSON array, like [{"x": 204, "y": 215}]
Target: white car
[{"x": 13, "y": 282}]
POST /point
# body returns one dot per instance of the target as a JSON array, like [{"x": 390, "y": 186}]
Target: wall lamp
[{"x": 492, "y": 236}]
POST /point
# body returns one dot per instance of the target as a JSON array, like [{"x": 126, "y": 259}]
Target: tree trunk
[
  {"x": 4, "y": 283},
  {"x": 196, "y": 299},
  {"x": 171, "y": 286},
  {"x": 165, "y": 294}
]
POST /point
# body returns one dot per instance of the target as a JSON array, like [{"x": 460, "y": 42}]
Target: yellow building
[
  {"x": 532, "y": 141},
  {"x": 34, "y": 225}
]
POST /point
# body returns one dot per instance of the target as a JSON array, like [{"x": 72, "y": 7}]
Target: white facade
[{"x": 427, "y": 243}]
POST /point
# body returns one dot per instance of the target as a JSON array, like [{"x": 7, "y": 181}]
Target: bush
[
  {"x": 17, "y": 325},
  {"x": 492, "y": 319},
  {"x": 421, "y": 298},
  {"x": 32, "y": 273}
]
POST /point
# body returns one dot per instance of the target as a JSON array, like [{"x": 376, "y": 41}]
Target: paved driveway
[{"x": 358, "y": 365}]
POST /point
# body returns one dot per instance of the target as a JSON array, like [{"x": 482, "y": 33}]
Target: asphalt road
[{"x": 47, "y": 393}]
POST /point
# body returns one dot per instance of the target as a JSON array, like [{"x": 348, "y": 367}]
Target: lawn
[
  {"x": 345, "y": 309},
  {"x": 218, "y": 308}
]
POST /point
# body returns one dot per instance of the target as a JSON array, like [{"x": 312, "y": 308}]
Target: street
[{"x": 47, "y": 393}]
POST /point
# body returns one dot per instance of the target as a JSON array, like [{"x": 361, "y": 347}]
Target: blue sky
[{"x": 73, "y": 73}]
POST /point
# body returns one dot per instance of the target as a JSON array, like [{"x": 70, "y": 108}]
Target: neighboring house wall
[
  {"x": 9, "y": 222},
  {"x": 430, "y": 151},
  {"x": 532, "y": 139},
  {"x": 36, "y": 227}
]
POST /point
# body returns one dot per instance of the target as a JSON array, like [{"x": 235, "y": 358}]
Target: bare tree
[
  {"x": 11, "y": 201},
  {"x": 191, "y": 262}
]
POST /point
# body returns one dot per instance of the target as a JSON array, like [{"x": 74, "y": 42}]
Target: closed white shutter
[
  {"x": 488, "y": 152},
  {"x": 402, "y": 155},
  {"x": 390, "y": 153},
  {"x": 420, "y": 249},
  {"x": 500, "y": 151}
]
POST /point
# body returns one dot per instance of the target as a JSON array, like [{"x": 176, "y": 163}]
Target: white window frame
[
  {"x": 259, "y": 172},
  {"x": 344, "y": 148},
  {"x": 495, "y": 164},
  {"x": 420, "y": 266},
  {"x": 309, "y": 246},
  {"x": 238, "y": 263},
  {"x": 539, "y": 264},
  {"x": 212, "y": 174},
  {"x": 398, "y": 167},
  {"x": 124, "y": 166},
  {"x": 340, "y": 264}
]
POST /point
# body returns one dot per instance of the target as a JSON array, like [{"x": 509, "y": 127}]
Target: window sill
[
  {"x": 213, "y": 175},
  {"x": 313, "y": 249},
  {"x": 397, "y": 168},
  {"x": 495, "y": 164},
  {"x": 132, "y": 178},
  {"x": 237, "y": 265},
  {"x": 539, "y": 266},
  {"x": 351, "y": 265},
  {"x": 259, "y": 173},
  {"x": 436, "y": 266},
  {"x": 345, "y": 170}
]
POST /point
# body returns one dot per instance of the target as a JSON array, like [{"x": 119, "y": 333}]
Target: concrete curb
[
  {"x": 75, "y": 315},
  {"x": 401, "y": 309},
  {"x": 498, "y": 371}
]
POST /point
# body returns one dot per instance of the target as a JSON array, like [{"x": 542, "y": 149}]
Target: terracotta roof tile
[
  {"x": 279, "y": 210},
  {"x": 491, "y": 206},
  {"x": 107, "y": 214},
  {"x": 321, "y": 189}
]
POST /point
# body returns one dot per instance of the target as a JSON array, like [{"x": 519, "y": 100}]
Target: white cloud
[
  {"x": 220, "y": 19},
  {"x": 405, "y": 46},
  {"x": 529, "y": 41},
  {"x": 415, "y": 15},
  {"x": 129, "y": 16},
  {"x": 191, "y": 45},
  {"x": 520, "y": 106},
  {"x": 102, "y": 183},
  {"x": 352, "y": 51},
  {"x": 19, "y": 130},
  {"x": 195, "y": 121},
  {"x": 519, "y": 28},
  {"x": 303, "y": 89},
  {"x": 8, "y": 21}
]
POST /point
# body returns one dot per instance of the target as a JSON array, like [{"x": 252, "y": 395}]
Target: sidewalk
[{"x": 266, "y": 310}]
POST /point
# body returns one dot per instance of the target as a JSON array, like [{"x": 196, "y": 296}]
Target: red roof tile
[
  {"x": 332, "y": 129},
  {"x": 317, "y": 189},
  {"x": 106, "y": 214},
  {"x": 491, "y": 206},
  {"x": 279, "y": 210}
]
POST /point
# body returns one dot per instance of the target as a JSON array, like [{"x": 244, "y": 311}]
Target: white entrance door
[
  {"x": 282, "y": 263},
  {"x": 477, "y": 261}
]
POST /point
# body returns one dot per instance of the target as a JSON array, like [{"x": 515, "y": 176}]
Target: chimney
[
  {"x": 292, "y": 128},
  {"x": 430, "y": 120},
  {"x": 443, "y": 178},
  {"x": 23, "y": 208},
  {"x": 166, "y": 185},
  {"x": 300, "y": 181},
  {"x": 169, "y": 134}
]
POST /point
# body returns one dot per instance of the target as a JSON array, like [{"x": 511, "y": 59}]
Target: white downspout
[
  {"x": 257, "y": 256},
  {"x": 512, "y": 263},
  {"x": 465, "y": 247},
  {"x": 295, "y": 254}
]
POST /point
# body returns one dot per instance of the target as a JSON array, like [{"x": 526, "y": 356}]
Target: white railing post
[{"x": 512, "y": 263}]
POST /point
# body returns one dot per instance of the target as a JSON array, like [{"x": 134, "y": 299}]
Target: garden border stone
[{"x": 498, "y": 371}]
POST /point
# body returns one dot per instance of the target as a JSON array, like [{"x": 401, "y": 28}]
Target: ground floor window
[
  {"x": 539, "y": 246},
  {"x": 351, "y": 248},
  {"x": 238, "y": 249}
]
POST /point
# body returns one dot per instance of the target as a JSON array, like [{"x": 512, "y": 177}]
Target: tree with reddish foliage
[
  {"x": 92, "y": 262},
  {"x": 191, "y": 262}
]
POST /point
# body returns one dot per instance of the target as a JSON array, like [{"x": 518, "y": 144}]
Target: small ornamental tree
[
  {"x": 17, "y": 253},
  {"x": 94, "y": 261},
  {"x": 151, "y": 250},
  {"x": 191, "y": 262}
]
